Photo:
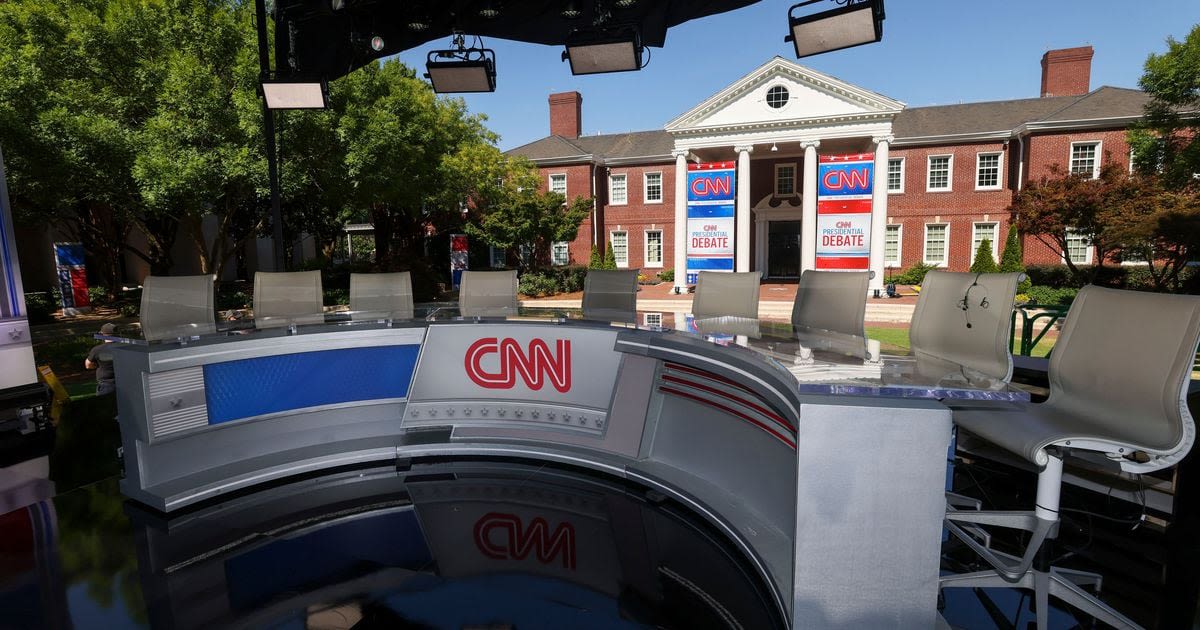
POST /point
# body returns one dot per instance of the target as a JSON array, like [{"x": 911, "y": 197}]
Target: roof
[{"x": 911, "y": 126}]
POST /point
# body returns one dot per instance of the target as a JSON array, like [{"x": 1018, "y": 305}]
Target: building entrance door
[{"x": 783, "y": 249}]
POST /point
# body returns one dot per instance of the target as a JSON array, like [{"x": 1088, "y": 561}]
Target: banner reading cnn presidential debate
[
  {"x": 844, "y": 185},
  {"x": 710, "y": 214}
]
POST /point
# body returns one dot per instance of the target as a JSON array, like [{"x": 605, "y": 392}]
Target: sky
[{"x": 934, "y": 52}]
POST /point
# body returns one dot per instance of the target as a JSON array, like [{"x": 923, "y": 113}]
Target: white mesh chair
[
  {"x": 177, "y": 306},
  {"x": 610, "y": 295},
  {"x": 1119, "y": 376},
  {"x": 720, "y": 294},
  {"x": 488, "y": 293},
  {"x": 832, "y": 300},
  {"x": 964, "y": 318},
  {"x": 381, "y": 296},
  {"x": 286, "y": 298}
]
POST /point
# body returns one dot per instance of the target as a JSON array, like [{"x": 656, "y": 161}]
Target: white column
[
  {"x": 680, "y": 220},
  {"x": 879, "y": 199},
  {"x": 742, "y": 210},
  {"x": 808, "y": 201}
]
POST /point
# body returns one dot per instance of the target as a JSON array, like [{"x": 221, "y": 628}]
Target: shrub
[
  {"x": 610, "y": 260},
  {"x": 984, "y": 263},
  {"x": 230, "y": 295},
  {"x": 1012, "y": 260},
  {"x": 596, "y": 260},
  {"x": 98, "y": 295},
  {"x": 537, "y": 284},
  {"x": 914, "y": 275},
  {"x": 667, "y": 275},
  {"x": 1051, "y": 296},
  {"x": 552, "y": 281},
  {"x": 40, "y": 307}
]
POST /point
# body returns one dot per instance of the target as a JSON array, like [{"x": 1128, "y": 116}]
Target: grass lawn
[{"x": 896, "y": 340}]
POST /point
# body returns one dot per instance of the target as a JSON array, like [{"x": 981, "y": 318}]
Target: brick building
[{"x": 945, "y": 174}]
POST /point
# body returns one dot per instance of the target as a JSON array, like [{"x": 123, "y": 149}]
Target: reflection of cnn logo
[
  {"x": 504, "y": 537},
  {"x": 532, "y": 364}
]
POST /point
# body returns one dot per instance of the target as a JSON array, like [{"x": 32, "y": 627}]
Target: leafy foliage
[
  {"x": 1167, "y": 142},
  {"x": 914, "y": 275},
  {"x": 667, "y": 275},
  {"x": 1012, "y": 259},
  {"x": 984, "y": 262},
  {"x": 610, "y": 259},
  {"x": 596, "y": 260}
]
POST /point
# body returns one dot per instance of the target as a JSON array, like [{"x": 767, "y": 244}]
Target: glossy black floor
[{"x": 484, "y": 545}]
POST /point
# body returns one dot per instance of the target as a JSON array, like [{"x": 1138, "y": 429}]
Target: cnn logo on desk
[{"x": 496, "y": 363}]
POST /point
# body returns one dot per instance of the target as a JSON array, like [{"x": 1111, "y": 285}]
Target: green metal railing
[{"x": 1031, "y": 316}]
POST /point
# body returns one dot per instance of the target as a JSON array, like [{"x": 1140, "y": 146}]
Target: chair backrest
[
  {"x": 964, "y": 318},
  {"x": 488, "y": 293},
  {"x": 381, "y": 295},
  {"x": 610, "y": 295},
  {"x": 719, "y": 294},
  {"x": 287, "y": 297},
  {"x": 1123, "y": 363},
  {"x": 177, "y": 306},
  {"x": 832, "y": 300}
]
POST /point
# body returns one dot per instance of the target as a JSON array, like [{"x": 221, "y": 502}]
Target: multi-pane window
[
  {"x": 620, "y": 247},
  {"x": 891, "y": 246},
  {"x": 936, "y": 237},
  {"x": 987, "y": 170},
  {"x": 785, "y": 179},
  {"x": 777, "y": 96},
  {"x": 939, "y": 173},
  {"x": 617, "y": 189},
  {"x": 558, "y": 183},
  {"x": 654, "y": 188},
  {"x": 984, "y": 231},
  {"x": 654, "y": 248},
  {"x": 1079, "y": 249},
  {"x": 1085, "y": 158},
  {"x": 895, "y": 175},
  {"x": 560, "y": 252},
  {"x": 652, "y": 319},
  {"x": 497, "y": 256}
]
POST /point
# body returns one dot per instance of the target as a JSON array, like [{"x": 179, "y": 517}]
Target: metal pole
[{"x": 264, "y": 63}]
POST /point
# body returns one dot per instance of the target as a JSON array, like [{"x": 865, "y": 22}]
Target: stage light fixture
[
  {"x": 377, "y": 43},
  {"x": 295, "y": 94},
  {"x": 490, "y": 10},
  {"x": 853, "y": 23},
  {"x": 461, "y": 69},
  {"x": 596, "y": 51},
  {"x": 419, "y": 21},
  {"x": 571, "y": 11}
]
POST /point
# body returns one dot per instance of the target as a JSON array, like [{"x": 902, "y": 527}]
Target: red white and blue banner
[
  {"x": 458, "y": 258},
  {"x": 710, "y": 218},
  {"x": 72, "y": 277},
  {"x": 844, "y": 187}
]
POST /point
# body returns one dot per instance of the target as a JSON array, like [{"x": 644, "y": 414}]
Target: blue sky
[{"x": 933, "y": 52}]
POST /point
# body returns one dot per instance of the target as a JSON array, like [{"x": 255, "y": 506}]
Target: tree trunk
[{"x": 382, "y": 220}]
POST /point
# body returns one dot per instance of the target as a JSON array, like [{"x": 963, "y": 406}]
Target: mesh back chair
[
  {"x": 286, "y": 298},
  {"x": 964, "y": 318},
  {"x": 1119, "y": 376},
  {"x": 381, "y": 295},
  {"x": 720, "y": 294},
  {"x": 488, "y": 293},
  {"x": 832, "y": 300},
  {"x": 177, "y": 306},
  {"x": 610, "y": 295}
]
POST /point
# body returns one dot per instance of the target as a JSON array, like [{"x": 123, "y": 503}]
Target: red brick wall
[
  {"x": 566, "y": 114},
  {"x": 1067, "y": 71}
]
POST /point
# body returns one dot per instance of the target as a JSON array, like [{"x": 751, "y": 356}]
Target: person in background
[{"x": 99, "y": 358}]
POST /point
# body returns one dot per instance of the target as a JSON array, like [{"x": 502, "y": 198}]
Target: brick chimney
[
  {"x": 1067, "y": 71},
  {"x": 566, "y": 114}
]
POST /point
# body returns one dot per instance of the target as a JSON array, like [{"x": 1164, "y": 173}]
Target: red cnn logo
[
  {"x": 504, "y": 537},
  {"x": 532, "y": 365}
]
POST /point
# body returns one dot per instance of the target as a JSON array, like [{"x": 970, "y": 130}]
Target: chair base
[{"x": 1062, "y": 584}]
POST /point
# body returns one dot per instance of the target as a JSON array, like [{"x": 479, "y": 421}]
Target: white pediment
[{"x": 811, "y": 97}]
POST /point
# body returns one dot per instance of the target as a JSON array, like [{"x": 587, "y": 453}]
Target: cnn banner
[
  {"x": 710, "y": 218},
  {"x": 844, "y": 187}
]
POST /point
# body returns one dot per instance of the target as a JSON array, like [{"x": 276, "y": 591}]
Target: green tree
[
  {"x": 1167, "y": 141},
  {"x": 984, "y": 262},
  {"x": 596, "y": 260},
  {"x": 610, "y": 260},
  {"x": 1012, "y": 259}
]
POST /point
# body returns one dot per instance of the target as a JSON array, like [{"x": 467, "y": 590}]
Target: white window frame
[
  {"x": 493, "y": 251},
  {"x": 887, "y": 178},
  {"x": 775, "y": 182},
  {"x": 550, "y": 183},
  {"x": 1099, "y": 156},
  {"x": 652, "y": 320},
  {"x": 566, "y": 248},
  {"x": 899, "y": 262},
  {"x": 611, "y": 199},
  {"x": 945, "y": 261},
  {"x": 612, "y": 237},
  {"x": 949, "y": 172},
  {"x": 646, "y": 187},
  {"x": 1087, "y": 251},
  {"x": 999, "y": 185},
  {"x": 662, "y": 246},
  {"x": 975, "y": 238}
]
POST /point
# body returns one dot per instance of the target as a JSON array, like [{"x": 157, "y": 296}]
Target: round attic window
[{"x": 777, "y": 96}]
